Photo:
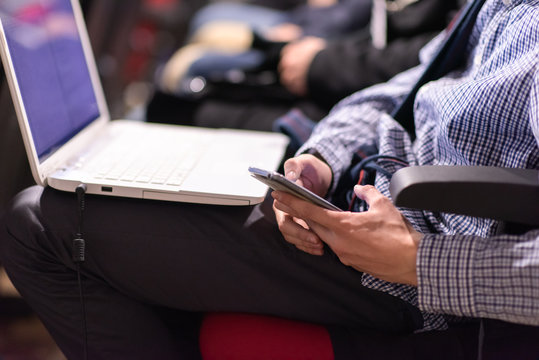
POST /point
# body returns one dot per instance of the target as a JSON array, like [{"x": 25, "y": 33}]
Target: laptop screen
[{"x": 50, "y": 67}]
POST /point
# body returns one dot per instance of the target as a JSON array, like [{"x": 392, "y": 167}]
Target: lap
[{"x": 201, "y": 258}]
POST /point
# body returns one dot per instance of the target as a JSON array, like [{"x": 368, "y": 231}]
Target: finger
[
  {"x": 285, "y": 207},
  {"x": 292, "y": 169},
  {"x": 370, "y": 194},
  {"x": 323, "y": 233},
  {"x": 305, "y": 210},
  {"x": 316, "y": 252},
  {"x": 304, "y": 245},
  {"x": 297, "y": 234}
]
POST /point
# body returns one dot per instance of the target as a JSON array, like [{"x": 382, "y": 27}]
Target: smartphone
[{"x": 277, "y": 181}]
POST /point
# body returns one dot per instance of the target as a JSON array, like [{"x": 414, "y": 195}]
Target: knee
[{"x": 20, "y": 221}]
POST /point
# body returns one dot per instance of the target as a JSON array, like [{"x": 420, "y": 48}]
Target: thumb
[
  {"x": 292, "y": 169},
  {"x": 368, "y": 193}
]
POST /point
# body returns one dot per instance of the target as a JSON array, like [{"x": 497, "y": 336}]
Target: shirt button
[{"x": 507, "y": 2}]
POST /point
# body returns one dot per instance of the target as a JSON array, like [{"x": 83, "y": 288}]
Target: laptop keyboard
[{"x": 149, "y": 158}]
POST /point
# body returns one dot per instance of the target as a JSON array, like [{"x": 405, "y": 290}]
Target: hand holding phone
[{"x": 278, "y": 182}]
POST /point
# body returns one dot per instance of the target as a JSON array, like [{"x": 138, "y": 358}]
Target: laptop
[{"x": 70, "y": 138}]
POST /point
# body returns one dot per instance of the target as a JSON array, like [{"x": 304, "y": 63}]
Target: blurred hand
[
  {"x": 284, "y": 33},
  {"x": 296, "y": 59},
  {"x": 380, "y": 241},
  {"x": 314, "y": 174}
]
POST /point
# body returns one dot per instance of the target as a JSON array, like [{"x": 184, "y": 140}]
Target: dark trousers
[{"x": 146, "y": 258}]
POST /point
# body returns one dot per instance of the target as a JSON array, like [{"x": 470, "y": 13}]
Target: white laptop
[{"x": 70, "y": 139}]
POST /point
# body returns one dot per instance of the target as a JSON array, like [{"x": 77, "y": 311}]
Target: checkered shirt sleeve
[{"x": 494, "y": 277}]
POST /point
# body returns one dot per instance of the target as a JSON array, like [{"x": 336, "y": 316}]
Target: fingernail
[{"x": 291, "y": 175}]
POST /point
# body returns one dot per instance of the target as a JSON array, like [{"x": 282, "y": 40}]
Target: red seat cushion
[{"x": 236, "y": 336}]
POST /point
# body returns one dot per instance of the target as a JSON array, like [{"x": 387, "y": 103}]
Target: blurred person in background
[{"x": 308, "y": 75}]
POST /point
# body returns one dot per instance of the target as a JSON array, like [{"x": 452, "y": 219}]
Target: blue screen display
[{"x": 51, "y": 70}]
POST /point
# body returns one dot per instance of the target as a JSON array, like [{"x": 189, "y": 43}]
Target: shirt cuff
[{"x": 445, "y": 275}]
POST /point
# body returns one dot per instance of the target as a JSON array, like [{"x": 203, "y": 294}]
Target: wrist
[{"x": 416, "y": 239}]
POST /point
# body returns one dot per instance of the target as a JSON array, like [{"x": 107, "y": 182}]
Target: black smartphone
[{"x": 277, "y": 181}]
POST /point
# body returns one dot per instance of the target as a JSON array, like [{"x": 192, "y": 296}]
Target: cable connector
[
  {"x": 78, "y": 253},
  {"x": 79, "y": 246},
  {"x": 81, "y": 190},
  {"x": 79, "y": 250}
]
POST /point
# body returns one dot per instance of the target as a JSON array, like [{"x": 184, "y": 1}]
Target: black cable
[
  {"x": 83, "y": 314},
  {"x": 481, "y": 339},
  {"x": 79, "y": 249}
]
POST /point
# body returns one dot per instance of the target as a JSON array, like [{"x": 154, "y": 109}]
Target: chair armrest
[{"x": 506, "y": 194}]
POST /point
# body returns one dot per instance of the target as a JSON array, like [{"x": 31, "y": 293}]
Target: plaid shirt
[{"x": 486, "y": 113}]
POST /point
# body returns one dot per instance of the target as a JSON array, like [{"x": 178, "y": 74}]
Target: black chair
[{"x": 505, "y": 194}]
